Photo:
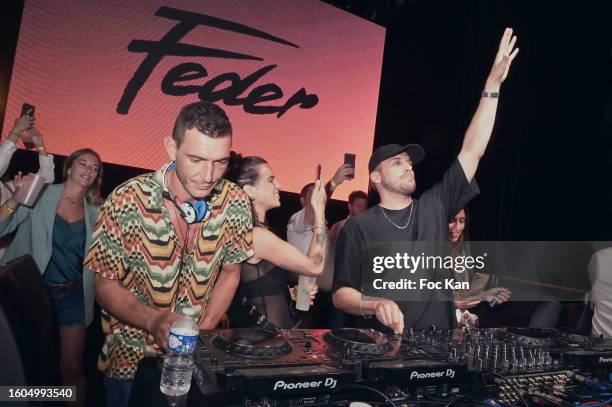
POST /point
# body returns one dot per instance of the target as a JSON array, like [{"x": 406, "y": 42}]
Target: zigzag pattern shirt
[{"x": 135, "y": 242}]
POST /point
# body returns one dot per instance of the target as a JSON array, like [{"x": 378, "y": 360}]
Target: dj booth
[
  {"x": 266, "y": 366},
  {"x": 497, "y": 367}
]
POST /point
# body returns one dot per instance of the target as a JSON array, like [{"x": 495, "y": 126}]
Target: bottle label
[{"x": 182, "y": 340}]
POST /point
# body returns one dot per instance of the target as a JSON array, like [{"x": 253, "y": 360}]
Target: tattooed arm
[{"x": 270, "y": 247}]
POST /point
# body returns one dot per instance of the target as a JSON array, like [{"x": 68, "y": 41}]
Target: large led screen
[{"x": 299, "y": 79}]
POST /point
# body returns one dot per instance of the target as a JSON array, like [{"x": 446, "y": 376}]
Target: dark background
[{"x": 546, "y": 174}]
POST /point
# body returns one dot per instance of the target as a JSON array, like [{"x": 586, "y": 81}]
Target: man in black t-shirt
[{"x": 399, "y": 217}]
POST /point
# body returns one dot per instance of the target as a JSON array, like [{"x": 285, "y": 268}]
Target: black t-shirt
[{"x": 430, "y": 217}]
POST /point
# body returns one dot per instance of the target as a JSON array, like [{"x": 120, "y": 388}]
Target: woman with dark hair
[
  {"x": 55, "y": 232},
  {"x": 264, "y": 277},
  {"x": 458, "y": 237}
]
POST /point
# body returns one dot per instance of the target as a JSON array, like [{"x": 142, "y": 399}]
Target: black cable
[
  {"x": 363, "y": 387},
  {"x": 543, "y": 397},
  {"x": 450, "y": 403},
  {"x": 347, "y": 402}
]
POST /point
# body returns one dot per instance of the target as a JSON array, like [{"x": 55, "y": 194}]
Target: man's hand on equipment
[{"x": 389, "y": 314}]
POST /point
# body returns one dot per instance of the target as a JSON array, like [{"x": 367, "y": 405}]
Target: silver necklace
[{"x": 398, "y": 226}]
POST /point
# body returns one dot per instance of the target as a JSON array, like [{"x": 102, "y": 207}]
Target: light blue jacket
[{"x": 34, "y": 236}]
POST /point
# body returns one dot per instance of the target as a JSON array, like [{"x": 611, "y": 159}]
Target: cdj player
[{"x": 261, "y": 367}]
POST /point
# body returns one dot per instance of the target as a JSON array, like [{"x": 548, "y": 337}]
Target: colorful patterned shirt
[{"x": 135, "y": 242}]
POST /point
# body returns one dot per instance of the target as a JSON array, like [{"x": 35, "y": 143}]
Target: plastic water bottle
[{"x": 178, "y": 363}]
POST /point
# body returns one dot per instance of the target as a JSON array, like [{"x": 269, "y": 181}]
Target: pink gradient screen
[{"x": 299, "y": 79}]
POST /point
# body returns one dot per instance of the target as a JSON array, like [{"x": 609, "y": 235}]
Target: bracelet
[
  {"x": 361, "y": 312},
  {"x": 322, "y": 227},
  {"x": 332, "y": 184},
  {"x": 7, "y": 209},
  {"x": 486, "y": 94}
]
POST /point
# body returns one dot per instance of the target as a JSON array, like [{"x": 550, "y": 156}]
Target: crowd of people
[{"x": 194, "y": 234}]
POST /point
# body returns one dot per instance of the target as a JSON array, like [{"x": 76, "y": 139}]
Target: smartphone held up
[
  {"x": 27, "y": 110},
  {"x": 349, "y": 159}
]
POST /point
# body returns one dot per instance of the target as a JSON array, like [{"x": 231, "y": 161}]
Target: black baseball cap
[{"x": 415, "y": 151}]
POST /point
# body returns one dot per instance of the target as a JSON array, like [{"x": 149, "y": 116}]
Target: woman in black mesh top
[{"x": 264, "y": 277}]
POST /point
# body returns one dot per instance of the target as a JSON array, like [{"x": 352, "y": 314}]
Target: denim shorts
[{"x": 69, "y": 306}]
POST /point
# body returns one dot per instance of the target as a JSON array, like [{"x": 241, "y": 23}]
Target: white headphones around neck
[{"x": 191, "y": 212}]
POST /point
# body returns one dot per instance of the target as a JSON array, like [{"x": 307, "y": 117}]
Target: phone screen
[
  {"x": 28, "y": 110},
  {"x": 318, "y": 172},
  {"x": 350, "y": 160}
]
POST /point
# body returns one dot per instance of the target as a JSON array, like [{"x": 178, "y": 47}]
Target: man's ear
[
  {"x": 375, "y": 177},
  {"x": 171, "y": 148}
]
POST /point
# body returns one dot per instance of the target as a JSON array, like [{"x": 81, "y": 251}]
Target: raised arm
[
  {"x": 269, "y": 247},
  {"x": 479, "y": 132},
  {"x": 8, "y": 147},
  {"x": 45, "y": 160},
  {"x": 12, "y": 214},
  {"x": 344, "y": 173}
]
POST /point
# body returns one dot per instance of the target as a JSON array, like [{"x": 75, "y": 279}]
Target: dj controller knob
[
  {"x": 542, "y": 358},
  {"x": 347, "y": 353},
  {"x": 411, "y": 335},
  {"x": 358, "y": 369}
]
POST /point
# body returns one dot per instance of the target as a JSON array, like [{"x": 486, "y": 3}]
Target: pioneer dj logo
[
  {"x": 449, "y": 373},
  {"x": 228, "y": 87},
  {"x": 328, "y": 382},
  {"x": 605, "y": 360}
]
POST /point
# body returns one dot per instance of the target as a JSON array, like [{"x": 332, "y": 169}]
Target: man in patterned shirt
[{"x": 150, "y": 262}]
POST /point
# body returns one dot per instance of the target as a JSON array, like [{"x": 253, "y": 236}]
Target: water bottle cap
[{"x": 190, "y": 312}]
